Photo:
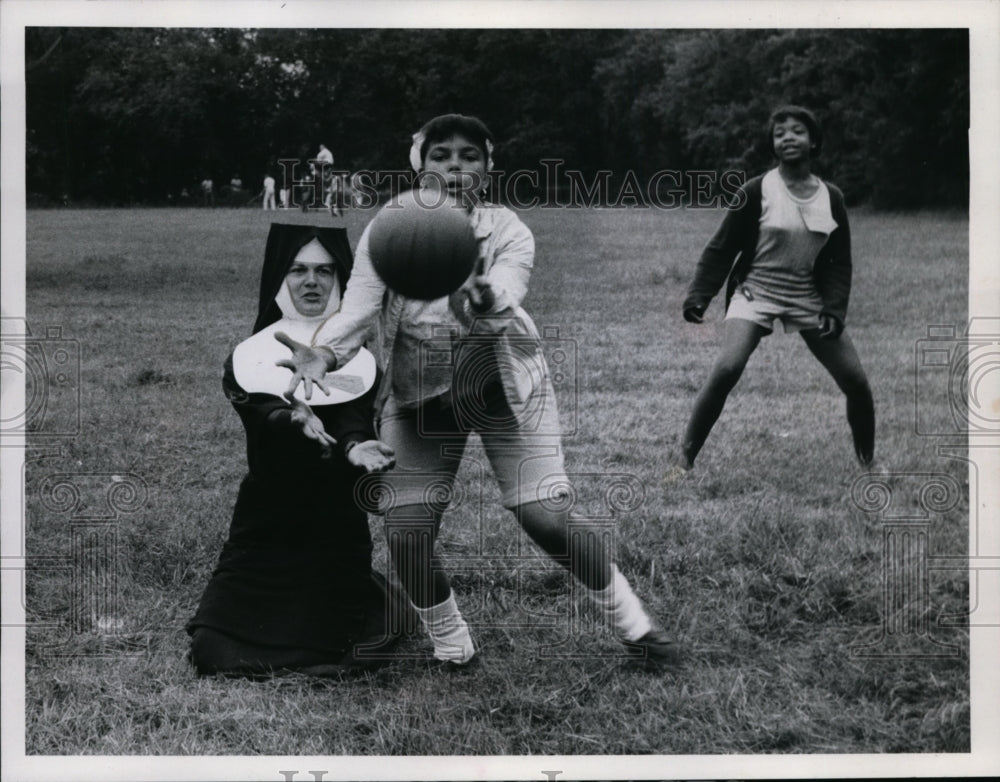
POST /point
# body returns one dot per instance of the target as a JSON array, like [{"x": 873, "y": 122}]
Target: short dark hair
[
  {"x": 448, "y": 125},
  {"x": 804, "y": 116}
]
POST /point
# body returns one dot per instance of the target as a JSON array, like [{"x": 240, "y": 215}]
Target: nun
[{"x": 294, "y": 589}]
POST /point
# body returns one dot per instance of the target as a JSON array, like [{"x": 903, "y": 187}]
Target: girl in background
[{"x": 786, "y": 251}]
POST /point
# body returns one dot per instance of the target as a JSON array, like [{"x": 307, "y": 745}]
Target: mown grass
[{"x": 760, "y": 560}]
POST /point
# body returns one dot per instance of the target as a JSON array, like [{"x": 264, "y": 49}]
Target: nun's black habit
[{"x": 293, "y": 588}]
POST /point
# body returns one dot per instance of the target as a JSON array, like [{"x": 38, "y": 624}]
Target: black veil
[{"x": 283, "y": 243}]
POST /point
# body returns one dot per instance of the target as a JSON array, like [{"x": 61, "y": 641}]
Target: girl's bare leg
[
  {"x": 841, "y": 360},
  {"x": 739, "y": 340}
]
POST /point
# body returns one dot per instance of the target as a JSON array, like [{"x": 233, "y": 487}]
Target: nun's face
[{"x": 311, "y": 279}]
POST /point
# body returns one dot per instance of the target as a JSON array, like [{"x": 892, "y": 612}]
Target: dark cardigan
[{"x": 730, "y": 252}]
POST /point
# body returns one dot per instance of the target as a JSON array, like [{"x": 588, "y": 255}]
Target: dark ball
[{"x": 422, "y": 245}]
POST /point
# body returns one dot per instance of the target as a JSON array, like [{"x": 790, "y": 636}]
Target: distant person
[
  {"x": 208, "y": 192},
  {"x": 357, "y": 189},
  {"x": 787, "y": 255},
  {"x": 307, "y": 190},
  {"x": 236, "y": 184},
  {"x": 320, "y": 165},
  {"x": 332, "y": 193},
  {"x": 294, "y": 589},
  {"x": 321, "y": 170},
  {"x": 269, "y": 185},
  {"x": 493, "y": 337}
]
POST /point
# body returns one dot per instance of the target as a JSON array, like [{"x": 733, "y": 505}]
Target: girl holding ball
[
  {"x": 786, "y": 250},
  {"x": 427, "y": 410}
]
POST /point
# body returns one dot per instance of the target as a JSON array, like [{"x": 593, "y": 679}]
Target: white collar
[{"x": 255, "y": 368}]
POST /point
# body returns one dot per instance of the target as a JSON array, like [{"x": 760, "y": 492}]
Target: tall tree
[{"x": 130, "y": 114}]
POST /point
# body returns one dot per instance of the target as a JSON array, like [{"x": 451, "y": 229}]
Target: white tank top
[{"x": 792, "y": 232}]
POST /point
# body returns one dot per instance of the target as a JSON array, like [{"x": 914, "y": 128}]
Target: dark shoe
[
  {"x": 450, "y": 666},
  {"x": 656, "y": 650}
]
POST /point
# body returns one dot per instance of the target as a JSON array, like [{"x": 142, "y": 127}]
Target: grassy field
[{"x": 765, "y": 560}]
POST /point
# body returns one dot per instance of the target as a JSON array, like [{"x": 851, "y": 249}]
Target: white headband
[{"x": 417, "y": 163}]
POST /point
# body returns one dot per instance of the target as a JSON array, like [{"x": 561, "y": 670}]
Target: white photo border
[{"x": 981, "y": 17}]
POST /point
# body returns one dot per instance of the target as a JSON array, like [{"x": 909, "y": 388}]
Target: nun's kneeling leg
[{"x": 213, "y": 653}]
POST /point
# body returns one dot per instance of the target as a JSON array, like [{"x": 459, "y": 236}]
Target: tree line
[{"x": 138, "y": 115}]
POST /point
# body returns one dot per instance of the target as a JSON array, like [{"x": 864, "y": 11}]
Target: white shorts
[
  {"x": 764, "y": 311},
  {"x": 429, "y": 443}
]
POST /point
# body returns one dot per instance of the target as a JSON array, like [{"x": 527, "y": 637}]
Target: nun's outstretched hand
[
  {"x": 372, "y": 456},
  {"x": 311, "y": 426},
  {"x": 309, "y": 365}
]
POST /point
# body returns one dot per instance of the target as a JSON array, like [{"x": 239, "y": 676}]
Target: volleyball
[{"x": 422, "y": 245}]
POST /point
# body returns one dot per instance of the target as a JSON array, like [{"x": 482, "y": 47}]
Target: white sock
[
  {"x": 622, "y": 608},
  {"x": 448, "y": 631}
]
